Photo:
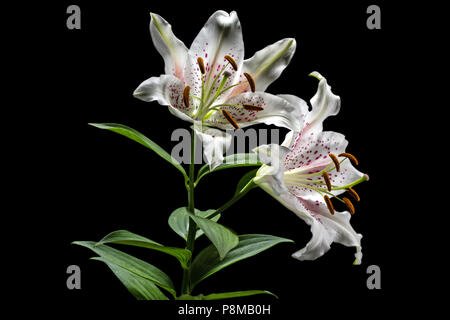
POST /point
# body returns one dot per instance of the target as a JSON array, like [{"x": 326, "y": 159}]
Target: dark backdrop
[{"x": 100, "y": 182}]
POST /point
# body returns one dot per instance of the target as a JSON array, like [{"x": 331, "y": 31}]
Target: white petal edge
[
  {"x": 173, "y": 50},
  {"x": 267, "y": 64},
  {"x": 158, "y": 89},
  {"x": 324, "y": 104}
]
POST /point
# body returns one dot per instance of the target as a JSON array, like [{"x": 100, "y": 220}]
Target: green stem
[
  {"x": 185, "y": 286},
  {"x": 235, "y": 198}
]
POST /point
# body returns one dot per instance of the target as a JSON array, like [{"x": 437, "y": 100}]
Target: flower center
[
  {"x": 206, "y": 106},
  {"x": 318, "y": 180}
]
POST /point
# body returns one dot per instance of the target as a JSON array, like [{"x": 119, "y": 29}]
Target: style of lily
[
  {"x": 212, "y": 86},
  {"x": 309, "y": 170}
]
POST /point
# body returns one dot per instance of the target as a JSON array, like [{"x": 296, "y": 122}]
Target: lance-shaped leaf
[
  {"x": 222, "y": 238},
  {"x": 132, "y": 239},
  {"x": 132, "y": 264},
  {"x": 140, "y": 138},
  {"x": 179, "y": 221},
  {"x": 232, "y": 161},
  {"x": 225, "y": 295},
  {"x": 139, "y": 287},
  {"x": 208, "y": 260},
  {"x": 236, "y": 294}
]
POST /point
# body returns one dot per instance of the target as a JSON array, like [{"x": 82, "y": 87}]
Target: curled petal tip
[
  {"x": 316, "y": 75},
  {"x": 366, "y": 176}
]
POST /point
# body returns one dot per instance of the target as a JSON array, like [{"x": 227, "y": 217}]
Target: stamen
[
  {"x": 186, "y": 94},
  {"x": 326, "y": 177},
  {"x": 353, "y": 194},
  {"x": 336, "y": 161},
  {"x": 349, "y": 156},
  {"x": 201, "y": 64},
  {"x": 232, "y": 62},
  {"x": 329, "y": 204},
  {"x": 250, "y": 80},
  {"x": 230, "y": 119},
  {"x": 349, "y": 205},
  {"x": 252, "y": 107}
]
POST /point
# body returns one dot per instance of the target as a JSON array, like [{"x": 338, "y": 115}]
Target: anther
[
  {"x": 250, "y": 80},
  {"x": 201, "y": 64},
  {"x": 252, "y": 107},
  {"x": 326, "y": 177},
  {"x": 186, "y": 93},
  {"x": 337, "y": 165},
  {"x": 230, "y": 119},
  {"x": 353, "y": 194},
  {"x": 349, "y": 205},
  {"x": 329, "y": 204},
  {"x": 227, "y": 74},
  {"x": 232, "y": 62},
  {"x": 349, "y": 156}
]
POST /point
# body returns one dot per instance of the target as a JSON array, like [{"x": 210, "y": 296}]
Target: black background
[{"x": 97, "y": 182}]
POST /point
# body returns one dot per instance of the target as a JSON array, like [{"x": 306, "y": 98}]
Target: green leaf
[
  {"x": 235, "y": 294},
  {"x": 232, "y": 161},
  {"x": 131, "y": 264},
  {"x": 246, "y": 178},
  {"x": 225, "y": 295},
  {"x": 132, "y": 239},
  {"x": 139, "y": 287},
  {"x": 179, "y": 221},
  {"x": 208, "y": 261},
  {"x": 140, "y": 138},
  {"x": 222, "y": 238}
]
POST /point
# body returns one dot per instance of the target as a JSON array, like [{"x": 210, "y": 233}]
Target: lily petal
[
  {"x": 268, "y": 64},
  {"x": 277, "y": 111},
  {"x": 326, "y": 229},
  {"x": 221, "y": 36},
  {"x": 271, "y": 173},
  {"x": 215, "y": 143},
  {"x": 173, "y": 50},
  {"x": 168, "y": 91},
  {"x": 324, "y": 104}
]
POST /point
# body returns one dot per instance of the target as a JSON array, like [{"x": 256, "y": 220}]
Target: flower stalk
[{"x": 185, "y": 286}]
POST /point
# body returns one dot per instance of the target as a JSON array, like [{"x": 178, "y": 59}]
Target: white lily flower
[
  {"x": 309, "y": 169},
  {"x": 211, "y": 85}
]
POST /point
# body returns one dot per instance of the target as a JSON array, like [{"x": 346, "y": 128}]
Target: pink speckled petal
[
  {"x": 325, "y": 228},
  {"x": 168, "y": 91},
  {"x": 309, "y": 154},
  {"x": 221, "y": 35},
  {"x": 277, "y": 111},
  {"x": 173, "y": 50}
]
